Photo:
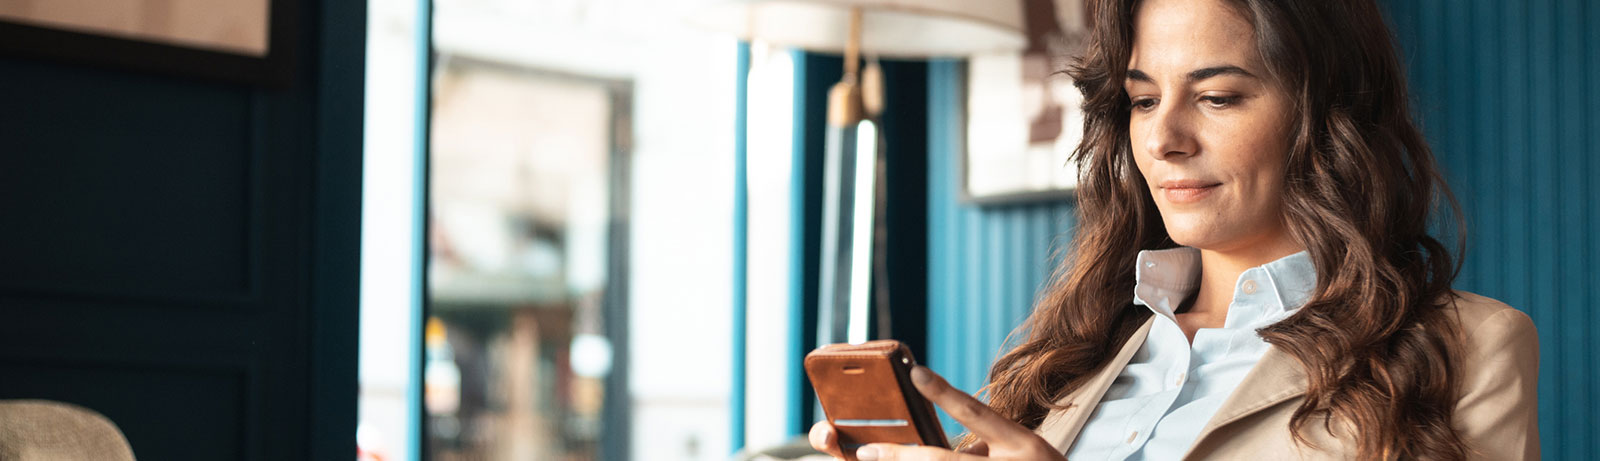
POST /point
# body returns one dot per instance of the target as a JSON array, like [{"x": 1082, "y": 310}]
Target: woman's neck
[{"x": 1220, "y": 270}]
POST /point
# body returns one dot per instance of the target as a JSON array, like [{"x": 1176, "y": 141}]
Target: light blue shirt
[{"x": 1170, "y": 388}]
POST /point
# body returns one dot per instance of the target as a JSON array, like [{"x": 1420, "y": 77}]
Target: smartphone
[{"x": 866, "y": 392}]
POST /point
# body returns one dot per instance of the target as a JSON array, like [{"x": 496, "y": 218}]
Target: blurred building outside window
[
  {"x": 543, "y": 111},
  {"x": 518, "y": 258}
]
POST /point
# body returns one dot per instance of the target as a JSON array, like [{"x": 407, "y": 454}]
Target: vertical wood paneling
[
  {"x": 1570, "y": 183},
  {"x": 1487, "y": 129},
  {"x": 1506, "y": 91},
  {"x": 985, "y": 264},
  {"x": 1591, "y": 218}
]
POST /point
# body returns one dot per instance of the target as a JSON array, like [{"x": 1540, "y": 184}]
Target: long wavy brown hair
[{"x": 1376, "y": 337}]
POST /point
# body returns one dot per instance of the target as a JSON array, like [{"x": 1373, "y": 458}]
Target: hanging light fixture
[{"x": 853, "y": 205}]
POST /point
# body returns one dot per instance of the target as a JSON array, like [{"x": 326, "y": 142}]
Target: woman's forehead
[{"x": 1175, "y": 36}]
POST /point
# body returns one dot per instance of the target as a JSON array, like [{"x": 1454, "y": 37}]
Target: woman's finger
[
  {"x": 825, "y": 439},
  {"x": 979, "y": 448},
  {"x": 977, "y": 417},
  {"x": 894, "y": 452}
]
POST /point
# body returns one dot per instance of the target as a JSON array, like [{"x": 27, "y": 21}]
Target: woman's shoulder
[
  {"x": 1473, "y": 310},
  {"x": 1497, "y": 411},
  {"x": 1484, "y": 320}
]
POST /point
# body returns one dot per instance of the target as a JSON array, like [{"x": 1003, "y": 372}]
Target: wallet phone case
[{"x": 866, "y": 392}]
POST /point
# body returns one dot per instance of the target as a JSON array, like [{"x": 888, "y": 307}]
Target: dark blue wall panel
[
  {"x": 68, "y": 150},
  {"x": 181, "y": 254},
  {"x": 984, "y": 263},
  {"x": 1506, "y": 92}
]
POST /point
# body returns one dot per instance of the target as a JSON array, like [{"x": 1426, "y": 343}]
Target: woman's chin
[{"x": 1202, "y": 237}]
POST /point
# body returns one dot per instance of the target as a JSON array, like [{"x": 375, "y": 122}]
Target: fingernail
[
  {"x": 867, "y": 453},
  {"x": 921, "y": 375}
]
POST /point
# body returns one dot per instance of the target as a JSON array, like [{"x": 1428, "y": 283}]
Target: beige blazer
[{"x": 1496, "y": 415}]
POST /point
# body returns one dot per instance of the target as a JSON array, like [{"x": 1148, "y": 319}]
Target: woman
[{"x": 1251, "y": 175}]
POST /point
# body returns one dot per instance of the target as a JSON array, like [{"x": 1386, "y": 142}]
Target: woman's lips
[{"x": 1187, "y": 191}]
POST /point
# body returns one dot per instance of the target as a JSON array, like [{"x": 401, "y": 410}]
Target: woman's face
[{"x": 1209, "y": 129}]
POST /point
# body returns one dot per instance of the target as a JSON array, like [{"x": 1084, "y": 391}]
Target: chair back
[{"x": 44, "y": 430}]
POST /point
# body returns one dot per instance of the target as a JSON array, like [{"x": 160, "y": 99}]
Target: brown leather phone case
[{"x": 866, "y": 392}]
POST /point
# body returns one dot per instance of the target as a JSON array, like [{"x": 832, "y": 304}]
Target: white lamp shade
[{"x": 891, "y": 28}]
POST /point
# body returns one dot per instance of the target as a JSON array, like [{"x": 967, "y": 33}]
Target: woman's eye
[
  {"x": 1219, "y": 101},
  {"x": 1144, "y": 103}
]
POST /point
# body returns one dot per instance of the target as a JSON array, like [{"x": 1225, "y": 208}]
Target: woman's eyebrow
[
  {"x": 1202, "y": 74},
  {"x": 1194, "y": 75}
]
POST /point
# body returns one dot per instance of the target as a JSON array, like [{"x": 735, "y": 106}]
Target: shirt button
[
  {"x": 1131, "y": 436},
  {"x": 1249, "y": 287},
  {"x": 1179, "y": 381}
]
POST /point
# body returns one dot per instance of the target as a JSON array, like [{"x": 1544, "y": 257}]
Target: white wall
[
  {"x": 386, "y": 227},
  {"x": 680, "y": 313},
  {"x": 767, "y": 361}
]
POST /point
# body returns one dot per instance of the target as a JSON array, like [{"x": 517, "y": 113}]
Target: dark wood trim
[{"x": 338, "y": 82}]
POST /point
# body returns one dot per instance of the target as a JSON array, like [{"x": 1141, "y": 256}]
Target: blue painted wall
[
  {"x": 984, "y": 263},
  {"x": 1506, "y": 92}
]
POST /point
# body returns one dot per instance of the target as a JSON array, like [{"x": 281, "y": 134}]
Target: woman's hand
[{"x": 998, "y": 437}]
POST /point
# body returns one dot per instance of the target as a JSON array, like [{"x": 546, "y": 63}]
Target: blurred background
[
  {"x": 627, "y": 207},
  {"x": 611, "y": 229},
  {"x": 633, "y": 206}
]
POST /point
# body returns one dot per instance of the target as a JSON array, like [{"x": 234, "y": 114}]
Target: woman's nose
[{"x": 1170, "y": 134}]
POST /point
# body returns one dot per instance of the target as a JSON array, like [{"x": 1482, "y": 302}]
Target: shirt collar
[{"x": 1164, "y": 278}]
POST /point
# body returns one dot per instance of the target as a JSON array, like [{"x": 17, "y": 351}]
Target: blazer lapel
[
  {"x": 1276, "y": 378},
  {"x": 1061, "y": 426}
]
